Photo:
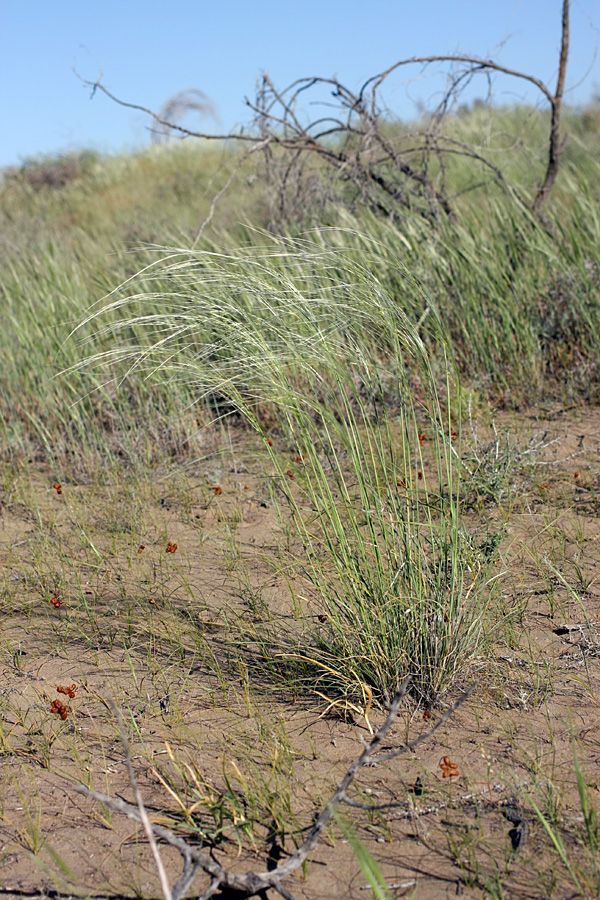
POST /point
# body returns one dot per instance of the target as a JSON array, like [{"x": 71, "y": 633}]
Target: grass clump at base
[{"x": 309, "y": 336}]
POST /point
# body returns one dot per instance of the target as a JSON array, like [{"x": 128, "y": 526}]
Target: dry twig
[
  {"x": 391, "y": 172},
  {"x": 252, "y": 883}
]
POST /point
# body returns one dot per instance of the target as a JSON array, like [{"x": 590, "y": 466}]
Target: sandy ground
[{"x": 163, "y": 634}]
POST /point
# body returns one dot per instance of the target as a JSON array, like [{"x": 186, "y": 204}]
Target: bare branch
[
  {"x": 555, "y": 150},
  {"x": 170, "y": 126},
  {"x": 252, "y": 883},
  {"x": 476, "y": 62},
  {"x": 390, "y": 174},
  {"x": 162, "y": 875}
]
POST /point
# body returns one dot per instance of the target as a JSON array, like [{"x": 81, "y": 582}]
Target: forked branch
[{"x": 252, "y": 883}]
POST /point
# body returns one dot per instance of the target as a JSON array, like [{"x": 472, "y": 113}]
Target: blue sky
[{"x": 147, "y": 51}]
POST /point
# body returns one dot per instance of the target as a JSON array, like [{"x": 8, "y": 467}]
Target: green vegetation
[
  {"x": 308, "y": 417},
  {"x": 517, "y": 299}
]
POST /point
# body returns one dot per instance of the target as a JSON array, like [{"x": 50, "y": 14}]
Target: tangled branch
[{"x": 391, "y": 171}]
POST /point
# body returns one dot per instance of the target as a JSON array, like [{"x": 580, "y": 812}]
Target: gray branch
[{"x": 252, "y": 883}]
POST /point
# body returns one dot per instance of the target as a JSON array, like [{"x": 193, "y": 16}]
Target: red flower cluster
[
  {"x": 57, "y": 488},
  {"x": 69, "y": 691},
  {"x": 61, "y": 709},
  {"x": 56, "y": 601},
  {"x": 448, "y": 768},
  {"x": 171, "y": 548}
]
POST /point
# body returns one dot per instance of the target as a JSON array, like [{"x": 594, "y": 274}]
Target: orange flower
[
  {"x": 420, "y": 475},
  {"x": 60, "y": 709},
  {"x": 171, "y": 548},
  {"x": 218, "y": 490},
  {"x": 448, "y": 768},
  {"x": 422, "y": 439},
  {"x": 290, "y": 474},
  {"x": 69, "y": 691},
  {"x": 141, "y": 548},
  {"x": 57, "y": 488},
  {"x": 55, "y": 601},
  {"x": 269, "y": 442},
  {"x": 322, "y": 619}
]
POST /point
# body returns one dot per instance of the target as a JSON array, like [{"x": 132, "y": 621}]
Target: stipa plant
[
  {"x": 309, "y": 333},
  {"x": 397, "y": 584}
]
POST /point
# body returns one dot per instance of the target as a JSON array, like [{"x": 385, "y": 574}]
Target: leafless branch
[
  {"x": 475, "y": 63},
  {"x": 252, "y": 883},
  {"x": 162, "y": 875},
  {"x": 392, "y": 172},
  {"x": 556, "y": 147},
  {"x": 160, "y": 121}
]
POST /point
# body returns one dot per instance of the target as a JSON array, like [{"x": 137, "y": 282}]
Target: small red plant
[
  {"x": 426, "y": 714},
  {"x": 448, "y": 768},
  {"x": 69, "y": 691},
  {"x": 322, "y": 618},
  {"x": 60, "y": 709},
  {"x": 422, "y": 439},
  {"x": 269, "y": 442},
  {"x": 171, "y": 548},
  {"x": 454, "y": 435},
  {"x": 300, "y": 459},
  {"x": 575, "y": 474},
  {"x": 400, "y": 482},
  {"x": 218, "y": 490},
  {"x": 420, "y": 475},
  {"x": 56, "y": 601},
  {"x": 57, "y": 488},
  {"x": 141, "y": 548},
  {"x": 290, "y": 474}
]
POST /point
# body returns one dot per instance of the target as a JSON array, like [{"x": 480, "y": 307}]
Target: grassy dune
[{"x": 253, "y": 479}]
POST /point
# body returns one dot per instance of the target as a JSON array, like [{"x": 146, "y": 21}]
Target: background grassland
[{"x": 516, "y": 298}]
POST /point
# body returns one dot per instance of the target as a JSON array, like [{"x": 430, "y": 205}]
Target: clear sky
[{"x": 148, "y": 51}]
